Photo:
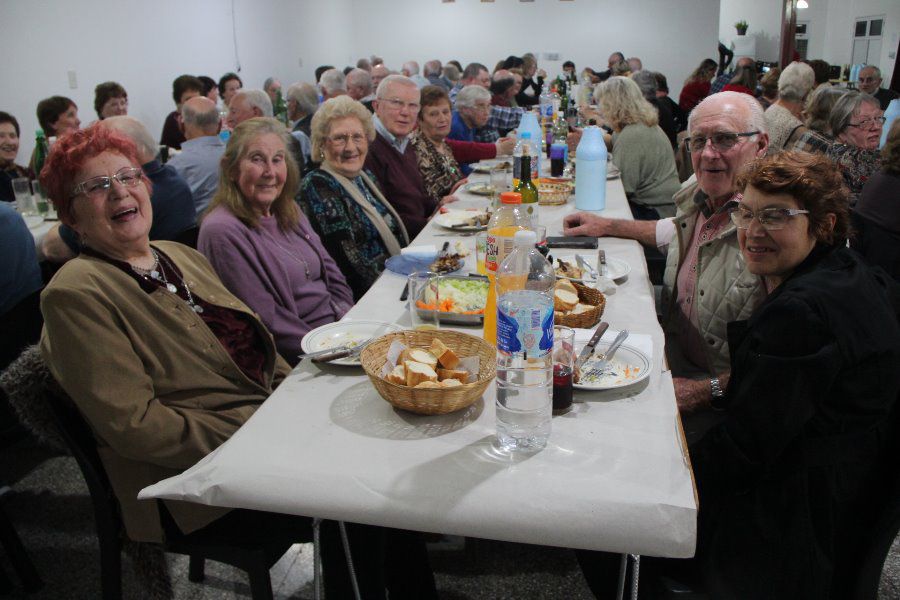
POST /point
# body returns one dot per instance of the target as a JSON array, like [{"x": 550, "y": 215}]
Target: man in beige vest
[{"x": 706, "y": 283}]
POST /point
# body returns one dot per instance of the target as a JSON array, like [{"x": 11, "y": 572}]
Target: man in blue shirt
[{"x": 201, "y": 151}]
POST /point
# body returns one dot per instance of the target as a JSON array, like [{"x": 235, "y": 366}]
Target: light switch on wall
[{"x": 73, "y": 81}]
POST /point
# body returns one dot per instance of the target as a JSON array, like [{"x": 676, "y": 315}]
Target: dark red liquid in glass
[{"x": 562, "y": 388}]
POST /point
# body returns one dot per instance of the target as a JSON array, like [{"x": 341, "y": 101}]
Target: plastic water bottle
[
  {"x": 590, "y": 170},
  {"x": 524, "y": 347},
  {"x": 892, "y": 112}
]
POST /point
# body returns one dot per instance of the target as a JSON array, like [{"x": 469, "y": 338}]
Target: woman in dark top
[
  {"x": 876, "y": 218},
  {"x": 357, "y": 225}
]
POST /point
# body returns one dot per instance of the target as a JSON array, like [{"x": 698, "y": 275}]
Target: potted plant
[{"x": 741, "y": 27}]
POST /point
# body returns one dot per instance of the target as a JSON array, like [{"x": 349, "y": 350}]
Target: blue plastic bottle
[
  {"x": 892, "y": 112},
  {"x": 590, "y": 170}
]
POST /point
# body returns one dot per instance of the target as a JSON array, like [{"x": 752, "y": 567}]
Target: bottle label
[
  {"x": 524, "y": 329},
  {"x": 498, "y": 248}
]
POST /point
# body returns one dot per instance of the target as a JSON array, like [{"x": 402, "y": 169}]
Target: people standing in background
[
  {"x": 725, "y": 77},
  {"x": 870, "y": 83},
  {"x": 110, "y": 100},
  {"x": 743, "y": 81},
  {"x": 184, "y": 88},
  {"x": 768, "y": 87},
  {"x": 198, "y": 162},
  {"x": 9, "y": 150},
  {"x": 229, "y": 85}
]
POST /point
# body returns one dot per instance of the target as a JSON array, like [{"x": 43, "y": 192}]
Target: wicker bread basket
[
  {"x": 430, "y": 401},
  {"x": 587, "y": 319},
  {"x": 553, "y": 192}
]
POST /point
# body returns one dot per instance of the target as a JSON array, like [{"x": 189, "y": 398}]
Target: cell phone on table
[{"x": 580, "y": 242}]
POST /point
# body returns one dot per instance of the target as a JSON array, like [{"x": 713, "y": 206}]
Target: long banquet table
[{"x": 614, "y": 476}]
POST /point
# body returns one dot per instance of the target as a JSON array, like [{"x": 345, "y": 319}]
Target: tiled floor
[{"x": 51, "y": 510}]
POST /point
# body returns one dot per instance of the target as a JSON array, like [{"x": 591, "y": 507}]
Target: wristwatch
[{"x": 716, "y": 387}]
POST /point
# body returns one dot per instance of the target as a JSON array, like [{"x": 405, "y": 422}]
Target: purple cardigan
[{"x": 264, "y": 268}]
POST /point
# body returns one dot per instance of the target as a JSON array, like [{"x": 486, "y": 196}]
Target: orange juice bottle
[{"x": 505, "y": 222}]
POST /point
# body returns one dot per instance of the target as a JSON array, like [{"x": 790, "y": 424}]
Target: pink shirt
[{"x": 692, "y": 342}]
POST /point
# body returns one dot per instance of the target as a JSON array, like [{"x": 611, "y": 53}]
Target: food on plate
[
  {"x": 445, "y": 355},
  {"x": 615, "y": 373},
  {"x": 457, "y": 295},
  {"x": 446, "y": 263},
  {"x": 417, "y": 372},
  {"x": 566, "y": 269},
  {"x": 481, "y": 189}
]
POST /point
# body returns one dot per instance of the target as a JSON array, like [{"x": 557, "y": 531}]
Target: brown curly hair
[
  {"x": 813, "y": 181},
  {"x": 890, "y": 154}
]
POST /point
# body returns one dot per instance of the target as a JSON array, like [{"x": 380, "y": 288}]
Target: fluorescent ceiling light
[{"x": 802, "y": 4}]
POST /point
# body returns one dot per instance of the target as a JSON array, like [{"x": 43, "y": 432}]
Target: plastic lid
[
  {"x": 525, "y": 237},
  {"x": 525, "y": 135},
  {"x": 510, "y": 198}
]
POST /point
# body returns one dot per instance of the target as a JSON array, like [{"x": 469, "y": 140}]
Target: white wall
[
  {"x": 145, "y": 45},
  {"x": 670, "y": 37},
  {"x": 764, "y": 20},
  {"x": 842, "y": 15}
]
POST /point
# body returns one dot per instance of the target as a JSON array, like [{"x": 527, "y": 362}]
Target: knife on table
[
  {"x": 342, "y": 352},
  {"x": 586, "y": 267},
  {"x": 601, "y": 262},
  {"x": 589, "y": 348}
]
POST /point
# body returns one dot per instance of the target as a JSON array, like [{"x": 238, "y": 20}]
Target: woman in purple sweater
[{"x": 262, "y": 246}]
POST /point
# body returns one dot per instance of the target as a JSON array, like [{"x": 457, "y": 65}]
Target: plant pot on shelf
[{"x": 741, "y": 31}]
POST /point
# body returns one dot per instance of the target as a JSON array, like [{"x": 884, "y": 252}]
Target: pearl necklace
[{"x": 157, "y": 273}]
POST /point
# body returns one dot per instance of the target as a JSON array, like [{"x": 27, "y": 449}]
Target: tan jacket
[
  {"x": 153, "y": 381},
  {"x": 726, "y": 290}
]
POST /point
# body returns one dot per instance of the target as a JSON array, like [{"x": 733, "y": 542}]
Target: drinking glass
[
  {"x": 25, "y": 202},
  {"x": 480, "y": 252},
  {"x": 563, "y": 368},
  {"x": 40, "y": 198},
  {"x": 424, "y": 299},
  {"x": 498, "y": 183}
]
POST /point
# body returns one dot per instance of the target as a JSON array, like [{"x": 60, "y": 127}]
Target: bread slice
[
  {"x": 423, "y": 356},
  {"x": 429, "y": 384},
  {"x": 417, "y": 372},
  {"x": 445, "y": 355},
  {"x": 564, "y": 300},
  {"x": 445, "y": 374},
  {"x": 450, "y": 383},
  {"x": 565, "y": 284},
  {"x": 398, "y": 375},
  {"x": 580, "y": 308}
]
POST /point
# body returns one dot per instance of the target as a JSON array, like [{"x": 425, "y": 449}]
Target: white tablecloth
[{"x": 614, "y": 476}]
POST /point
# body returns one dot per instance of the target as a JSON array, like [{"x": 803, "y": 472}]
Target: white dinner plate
[
  {"x": 341, "y": 333},
  {"x": 479, "y": 188},
  {"x": 616, "y": 268},
  {"x": 452, "y": 218},
  {"x": 486, "y": 167},
  {"x": 612, "y": 172},
  {"x": 628, "y": 366}
]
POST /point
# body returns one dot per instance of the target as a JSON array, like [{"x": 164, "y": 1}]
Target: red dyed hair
[{"x": 70, "y": 153}]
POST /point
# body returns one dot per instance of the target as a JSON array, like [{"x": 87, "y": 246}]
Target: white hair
[
  {"x": 411, "y": 66},
  {"x": 137, "y": 133},
  {"x": 360, "y": 78},
  {"x": 391, "y": 80},
  {"x": 795, "y": 82},
  {"x": 432, "y": 67},
  {"x": 332, "y": 82},
  {"x": 305, "y": 95},
  {"x": 257, "y": 99},
  {"x": 470, "y": 94},
  {"x": 757, "y": 120}
]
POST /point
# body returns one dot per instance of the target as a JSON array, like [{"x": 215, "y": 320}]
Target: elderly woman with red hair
[{"x": 163, "y": 361}]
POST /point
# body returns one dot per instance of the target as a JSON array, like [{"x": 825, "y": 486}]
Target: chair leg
[
  {"x": 196, "y": 569},
  {"x": 260, "y": 580}
]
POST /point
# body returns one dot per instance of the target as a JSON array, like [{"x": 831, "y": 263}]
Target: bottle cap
[
  {"x": 510, "y": 198},
  {"x": 525, "y": 237},
  {"x": 525, "y": 135}
]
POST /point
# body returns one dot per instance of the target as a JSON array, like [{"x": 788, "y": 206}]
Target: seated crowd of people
[{"x": 186, "y": 286}]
